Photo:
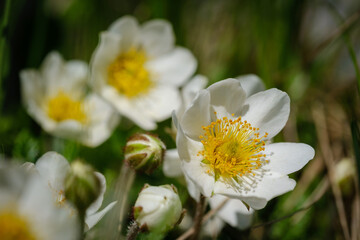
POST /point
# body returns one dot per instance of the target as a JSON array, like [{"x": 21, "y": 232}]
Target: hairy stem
[{"x": 133, "y": 231}]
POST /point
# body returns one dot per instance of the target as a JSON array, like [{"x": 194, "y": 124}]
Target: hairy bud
[{"x": 144, "y": 152}]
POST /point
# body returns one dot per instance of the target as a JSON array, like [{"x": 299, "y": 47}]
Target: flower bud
[
  {"x": 344, "y": 173},
  {"x": 144, "y": 152},
  {"x": 82, "y": 186},
  {"x": 158, "y": 209}
]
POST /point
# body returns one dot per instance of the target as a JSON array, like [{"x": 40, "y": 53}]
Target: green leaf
[{"x": 356, "y": 142}]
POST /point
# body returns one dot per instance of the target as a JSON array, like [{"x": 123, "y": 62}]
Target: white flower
[
  {"x": 27, "y": 211},
  {"x": 172, "y": 163},
  {"x": 234, "y": 212},
  {"x": 53, "y": 168},
  {"x": 158, "y": 209},
  {"x": 222, "y": 141},
  {"x": 55, "y": 97},
  {"x": 138, "y": 69}
]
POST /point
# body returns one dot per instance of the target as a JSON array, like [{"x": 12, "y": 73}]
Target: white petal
[
  {"x": 105, "y": 53},
  {"x": 286, "y": 158},
  {"x": 227, "y": 97},
  {"x": 32, "y": 87},
  {"x": 213, "y": 227},
  {"x": 53, "y": 168},
  {"x": 92, "y": 220},
  {"x": 197, "y": 173},
  {"x": 268, "y": 110},
  {"x": 128, "y": 28},
  {"x": 254, "y": 202},
  {"x": 51, "y": 68},
  {"x": 159, "y": 102},
  {"x": 197, "y": 116},
  {"x": 191, "y": 88},
  {"x": 47, "y": 220},
  {"x": 102, "y": 123},
  {"x": 97, "y": 204},
  {"x": 187, "y": 148},
  {"x": 269, "y": 187},
  {"x": 173, "y": 68},
  {"x": 128, "y": 108},
  {"x": 29, "y": 167},
  {"x": 234, "y": 212},
  {"x": 193, "y": 190},
  {"x": 251, "y": 84},
  {"x": 172, "y": 164},
  {"x": 74, "y": 78},
  {"x": 70, "y": 129},
  {"x": 157, "y": 37}
]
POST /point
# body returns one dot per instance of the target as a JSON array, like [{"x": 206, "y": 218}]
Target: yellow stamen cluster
[
  {"x": 62, "y": 107},
  {"x": 233, "y": 148},
  {"x": 128, "y": 73},
  {"x": 14, "y": 227}
]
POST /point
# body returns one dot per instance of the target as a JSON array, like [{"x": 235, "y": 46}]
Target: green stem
[
  {"x": 125, "y": 181},
  {"x": 4, "y": 25},
  {"x": 82, "y": 215},
  {"x": 354, "y": 61}
]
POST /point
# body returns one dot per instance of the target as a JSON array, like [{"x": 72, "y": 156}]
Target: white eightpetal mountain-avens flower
[
  {"x": 172, "y": 163},
  {"x": 55, "y": 96},
  {"x": 138, "y": 69},
  {"x": 234, "y": 212},
  {"x": 53, "y": 169},
  {"x": 222, "y": 141},
  {"x": 27, "y": 210}
]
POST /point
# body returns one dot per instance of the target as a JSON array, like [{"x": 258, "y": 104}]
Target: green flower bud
[
  {"x": 144, "y": 152},
  {"x": 82, "y": 186},
  {"x": 158, "y": 209}
]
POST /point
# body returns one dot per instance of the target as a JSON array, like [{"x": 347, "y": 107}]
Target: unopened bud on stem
[
  {"x": 82, "y": 186},
  {"x": 144, "y": 152},
  {"x": 158, "y": 209}
]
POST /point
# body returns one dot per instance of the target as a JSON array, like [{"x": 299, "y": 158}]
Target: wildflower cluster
[{"x": 137, "y": 79}]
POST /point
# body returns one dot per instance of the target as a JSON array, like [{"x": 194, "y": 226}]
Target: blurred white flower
[
  {"x": 138, "y": 69},
  {"x": 53, "y": 169},
  {"x": 27, "y": 211},
  {"x": 158, "y": 208},
  {"x": 234, "y": 212},
  {"x": 55, "y": 97},
  {"x": 222, "y": 141}
]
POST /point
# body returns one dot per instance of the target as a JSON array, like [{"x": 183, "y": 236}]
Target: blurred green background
[{"x": 306, "y": 48}]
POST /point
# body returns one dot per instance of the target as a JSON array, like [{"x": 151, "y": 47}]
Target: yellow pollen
[
  {"x": 62, "y": 107},
  {"x": 61, "y": 199},
  {"x": 232, "y": 148},
  {"x": 14, "y": 227},
  {"x": 128, "y": 73}
]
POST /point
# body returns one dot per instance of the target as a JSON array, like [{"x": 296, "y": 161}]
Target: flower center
[
  {"x": 128, "y": 73},
  {"x": 233, "y": 149},
  {"x": 14, "y": 227},
  {"x": 62, "y": 107}
]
